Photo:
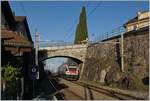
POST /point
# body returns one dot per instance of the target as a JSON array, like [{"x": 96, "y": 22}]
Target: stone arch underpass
[{"x": 76, "y": 52}]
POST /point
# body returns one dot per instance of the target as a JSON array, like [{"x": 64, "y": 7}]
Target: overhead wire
[
  {"x": 75, "y": 22},
  {"x": 92, "y": 11},
  {"x": 34, "y": 30},
  {"x": 71, "y": 28},
  {"x": 25, "y": 12},
  {"x": 23, "y": 8},
  {"x": 113, "y": 32}
]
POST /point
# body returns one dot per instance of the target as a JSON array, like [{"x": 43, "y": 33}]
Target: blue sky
[
  {"x": 57, "y": 20},
  {"x": 53, "y": 63}
]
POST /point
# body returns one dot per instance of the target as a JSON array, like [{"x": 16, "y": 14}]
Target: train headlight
[{"x": 67, "y": 72}]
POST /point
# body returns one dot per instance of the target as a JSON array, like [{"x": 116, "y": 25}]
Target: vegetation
[
  {"x": 81, "y": 30},
  {"x": 138, "y": 84},
  {"x": 10, "y": 78}
]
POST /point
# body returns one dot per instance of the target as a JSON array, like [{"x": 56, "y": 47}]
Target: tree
[
  {"x": 11, "y": 77},
  {"x": 81, "y": 30}
]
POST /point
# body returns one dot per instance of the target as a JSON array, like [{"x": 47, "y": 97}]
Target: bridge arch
[
  {"x": 73, "y": 58},
  {"x": 75, "y": 52}
]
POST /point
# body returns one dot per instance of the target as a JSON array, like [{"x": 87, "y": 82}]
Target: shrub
[{"x": 11, "y": 77}]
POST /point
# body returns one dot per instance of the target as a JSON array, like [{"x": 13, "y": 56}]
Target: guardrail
[{"x": 114, "y": 32}]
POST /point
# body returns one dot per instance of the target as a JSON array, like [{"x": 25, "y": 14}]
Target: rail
[
  {"x": 57, "y": 91},
  {"x": 111, "y": 93}
]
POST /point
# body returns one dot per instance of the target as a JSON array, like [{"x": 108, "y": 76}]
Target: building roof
[
  {"x": 7, "y": 12},
  {"x": 135, "y": 19},
  {"x": 11, "y": 39},
  {"x": 20, "y": 18},
  {"x": 6, "y": 36},
  {"x": 132, "y": 20},
  {"x": 23, "y": 19},
  {"x": 14, "y": 39}
]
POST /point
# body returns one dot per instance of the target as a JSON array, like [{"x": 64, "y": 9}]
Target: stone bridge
[{"x": 76, "y": 52}]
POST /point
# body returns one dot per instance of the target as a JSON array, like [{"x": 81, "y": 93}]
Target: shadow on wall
[
  {"x": 42, "y": 54},
  {"x": 118, "y": 53},
  {"x": 145, "y": 80}
]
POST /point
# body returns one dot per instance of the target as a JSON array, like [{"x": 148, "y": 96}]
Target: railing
[{"x": 114, "y": 32}]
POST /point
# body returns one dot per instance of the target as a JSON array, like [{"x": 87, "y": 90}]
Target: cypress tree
[{"x": 81, "y": 30}]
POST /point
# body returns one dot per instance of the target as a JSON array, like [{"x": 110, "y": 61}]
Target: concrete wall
[{"x": 105, "y": 58}]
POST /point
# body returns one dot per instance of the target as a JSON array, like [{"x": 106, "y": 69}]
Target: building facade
[
  {"x": 15, "y": 40},
  {"x": 140, "y": 21},
  {"x": 17, "y": 46}
]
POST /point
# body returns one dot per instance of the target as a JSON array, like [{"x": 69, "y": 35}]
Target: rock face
[{"x": 103, "y": 60}]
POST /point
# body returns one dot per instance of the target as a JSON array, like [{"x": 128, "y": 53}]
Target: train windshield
[{"x": 73, "y": 67}]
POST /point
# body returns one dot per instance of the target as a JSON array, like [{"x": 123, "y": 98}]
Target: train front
[{"x": 72, "y": 72}]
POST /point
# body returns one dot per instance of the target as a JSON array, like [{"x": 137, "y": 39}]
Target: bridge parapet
[
  {"x": 64, "y": 47},
  {"x": 52, "y": 44}
]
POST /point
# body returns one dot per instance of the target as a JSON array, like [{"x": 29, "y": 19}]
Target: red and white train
[{"x": 71, "y": 71}]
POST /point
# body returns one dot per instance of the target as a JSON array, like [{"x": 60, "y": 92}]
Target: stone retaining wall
[{"x": 103, "y": 60}]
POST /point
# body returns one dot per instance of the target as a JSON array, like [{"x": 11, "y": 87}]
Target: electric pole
[
  {"x": 36, "y": 48},
  {"x": 122, "y": 52},
  {"x": 35, "y": 70},
  {"x": 36, "y": 52}
]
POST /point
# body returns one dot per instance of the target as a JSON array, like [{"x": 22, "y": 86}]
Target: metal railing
[
  {"x": 107, "y": 35},
  {"x": 115, "y": 32}
]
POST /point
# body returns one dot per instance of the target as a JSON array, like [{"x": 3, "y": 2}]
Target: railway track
[
  {"x": 113, "y": 94},
  {"x": 57, "y": 95},
  {"x": 74, "y": 94}
]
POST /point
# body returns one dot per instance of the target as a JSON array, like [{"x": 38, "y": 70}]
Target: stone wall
[{"x": 103, "y": 60}]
